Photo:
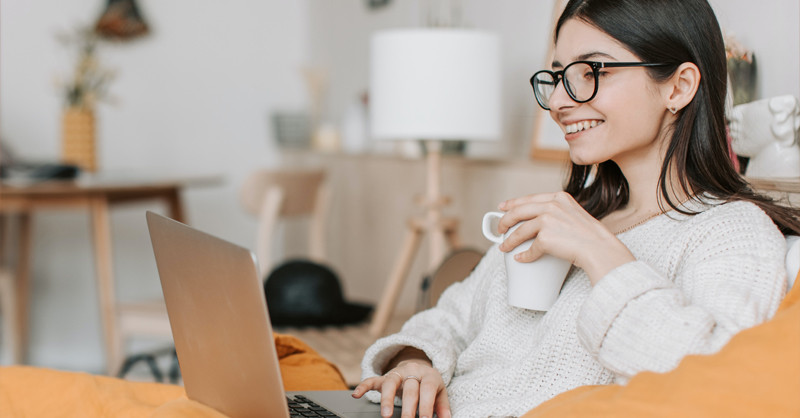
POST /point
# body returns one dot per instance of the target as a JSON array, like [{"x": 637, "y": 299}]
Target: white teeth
[{"x": 581, "y": 126}]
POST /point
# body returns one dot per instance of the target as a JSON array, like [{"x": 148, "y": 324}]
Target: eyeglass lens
[{"x": 579, "y": 81}]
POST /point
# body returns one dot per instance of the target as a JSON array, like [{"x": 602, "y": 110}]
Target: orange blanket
[
  {"x": 37, "y": 392},
  {"x": 757, "y": 374}
]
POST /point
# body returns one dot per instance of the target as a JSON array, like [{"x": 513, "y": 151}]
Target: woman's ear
[{"x": 681, "y": 88}]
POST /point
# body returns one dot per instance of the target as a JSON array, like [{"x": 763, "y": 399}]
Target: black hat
[{"x": 303, "y": 293}]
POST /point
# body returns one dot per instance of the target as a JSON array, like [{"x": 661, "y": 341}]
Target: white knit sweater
[{"x": 697, "y": 281}]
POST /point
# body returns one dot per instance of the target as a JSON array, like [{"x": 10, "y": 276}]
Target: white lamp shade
[{"x": 435, "y": 84}]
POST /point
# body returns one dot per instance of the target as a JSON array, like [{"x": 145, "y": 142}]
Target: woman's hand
[
  {"x": 562, "y": 228},
  {"x": 416, "y": 382}
]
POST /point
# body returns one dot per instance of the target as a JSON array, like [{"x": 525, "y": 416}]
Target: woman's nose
[{"x": 560, "y": 99}]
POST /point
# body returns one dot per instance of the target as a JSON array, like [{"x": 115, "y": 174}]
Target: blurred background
[{"x": 201, "y": 93}]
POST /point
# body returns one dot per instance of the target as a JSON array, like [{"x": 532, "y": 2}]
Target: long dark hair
[{"x": 673, "y": 32}]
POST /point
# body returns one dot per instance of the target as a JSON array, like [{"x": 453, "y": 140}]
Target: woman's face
[{"x": 628, "y": 112}]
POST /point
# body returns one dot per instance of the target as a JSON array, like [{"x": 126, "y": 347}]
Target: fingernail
[
  {"x": 518, "y": 257},
  {"x": 386, "y": 411},
  {"x": 502, "y": 205}
]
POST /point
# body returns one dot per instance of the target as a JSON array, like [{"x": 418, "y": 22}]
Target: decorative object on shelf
[
  {"x": 377, "y": 4},
  {"x": 82, "y": 90},
  {"x": 434, "y": 85},
  {"x": 741, "y": 71},
  {"x": 292, "y": 129},
  {"x": 768, "y": 131},
  {"x": 324, "y": 134},
  {"x": 442, "y": 13},
  {"x": 355, "y": 126},
  {"x": 121, "y": 21},
  {"x": 326, "y": 138},
  {"x": 78, "y": 145}
]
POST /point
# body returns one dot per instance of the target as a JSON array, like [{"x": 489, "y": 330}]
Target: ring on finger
[
  {"x": 398, "y": 375},
  {"x": 412, "y": 377}
]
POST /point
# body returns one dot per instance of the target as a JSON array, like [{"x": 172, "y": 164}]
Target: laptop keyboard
[{"x": 301, "y": 407}]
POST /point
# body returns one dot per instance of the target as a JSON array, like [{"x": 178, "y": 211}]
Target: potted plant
[
  {"x": 741, "y": 71},
  {"x": 82, "y": 90}
]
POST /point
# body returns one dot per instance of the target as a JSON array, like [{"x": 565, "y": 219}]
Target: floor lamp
[{"x": 433, "y": 85}]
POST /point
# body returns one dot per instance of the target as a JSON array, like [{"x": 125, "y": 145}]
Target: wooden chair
[
  {"x": 274, "y": 194},
  {"x": 455, "y": 267}
]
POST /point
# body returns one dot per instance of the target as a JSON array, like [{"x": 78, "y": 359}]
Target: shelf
[{"x": 785, "y": 185}]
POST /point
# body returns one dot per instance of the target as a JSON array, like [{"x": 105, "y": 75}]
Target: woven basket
[{"x": 78, "y": 145}]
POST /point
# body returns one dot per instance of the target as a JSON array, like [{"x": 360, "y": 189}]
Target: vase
[{"x": 78, "y": 144}]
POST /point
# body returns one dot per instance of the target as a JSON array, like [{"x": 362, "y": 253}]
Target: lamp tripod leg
[
  {"x": 392, "y": 292},
  {"x": 453, "y": 239}
]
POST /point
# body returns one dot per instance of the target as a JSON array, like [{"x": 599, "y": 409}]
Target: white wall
[
  {"x": 771, "y": 29},
  {"x": 194, "y": 97},
  {"x": 522, "y": 24},
  {"x": 341, "y": 30}
]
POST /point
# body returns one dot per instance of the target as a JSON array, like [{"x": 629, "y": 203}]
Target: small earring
[{"x": 673, "y": 109}]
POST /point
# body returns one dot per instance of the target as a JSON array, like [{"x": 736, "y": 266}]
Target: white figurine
[{"x": 767, "y": 131}]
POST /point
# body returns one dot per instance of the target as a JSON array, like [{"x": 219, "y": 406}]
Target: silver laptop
[{"x": 221, "y": 328}]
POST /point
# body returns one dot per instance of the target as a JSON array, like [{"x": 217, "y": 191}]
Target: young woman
[{"x": 672, "y": 251}]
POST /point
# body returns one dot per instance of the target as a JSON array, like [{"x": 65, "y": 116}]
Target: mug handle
[{"x": 486, "y": 227}]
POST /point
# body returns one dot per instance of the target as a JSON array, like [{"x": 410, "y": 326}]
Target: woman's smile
[{"x": 581, "y": 125}]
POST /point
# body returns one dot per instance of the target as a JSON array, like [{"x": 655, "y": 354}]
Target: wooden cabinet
[{"x": 373, "y": 196}]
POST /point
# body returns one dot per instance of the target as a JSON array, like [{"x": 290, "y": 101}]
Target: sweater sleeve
[
  {"x": 443, "y": 331},
  {"x": 731, "y": 276}
]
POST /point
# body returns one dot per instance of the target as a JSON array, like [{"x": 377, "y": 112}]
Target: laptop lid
[{"x": 220, "y": 325}]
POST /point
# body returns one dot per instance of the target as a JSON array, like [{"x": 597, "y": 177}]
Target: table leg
[
  {"x": 105, "y": 282},
  {"x": 176, "y": 206},
  {"x": 23, "y": 285},
  {"x": 3, "y": 227}
]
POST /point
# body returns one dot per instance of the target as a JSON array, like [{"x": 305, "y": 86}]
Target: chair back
[
  {"x": 274, "y": 194},
  {"x": 455, "y": 267}
]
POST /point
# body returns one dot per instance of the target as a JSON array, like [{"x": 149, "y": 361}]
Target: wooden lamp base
[{"x": 440, "y": 229}]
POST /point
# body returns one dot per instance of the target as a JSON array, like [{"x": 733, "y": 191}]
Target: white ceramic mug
[{"x": 533, "y": 285}]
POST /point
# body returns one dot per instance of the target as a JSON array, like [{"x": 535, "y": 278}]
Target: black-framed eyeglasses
[{"x": 579, "y": 79}]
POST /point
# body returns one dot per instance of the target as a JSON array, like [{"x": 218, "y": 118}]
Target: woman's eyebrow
[
  {"x": 585, "y": 57},
  {"x": 594, "y": 54}
]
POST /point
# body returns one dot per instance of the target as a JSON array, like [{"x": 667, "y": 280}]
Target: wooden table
[{"x": 96, "y": 193}]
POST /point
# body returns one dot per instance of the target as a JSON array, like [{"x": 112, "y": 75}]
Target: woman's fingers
[
  {"x": 372, "y": 383},
  {"x": 535, "y": 206},
  {"x": 387, "y": 385},
  {"x": 442, "y": 405},
  {"x": 428, "y": 393},
  {"x": 391, "y": 382},
  {"x": 528, "y": 207},
  {"x": 533, "y": 198},
  {"x": 410, "y": 397},
  {"x": 532, "y": 253},
  {"x": 420, "y": 389},
  {"x": 520, "y": 214},
  {"x": 524, "y": 232}
]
